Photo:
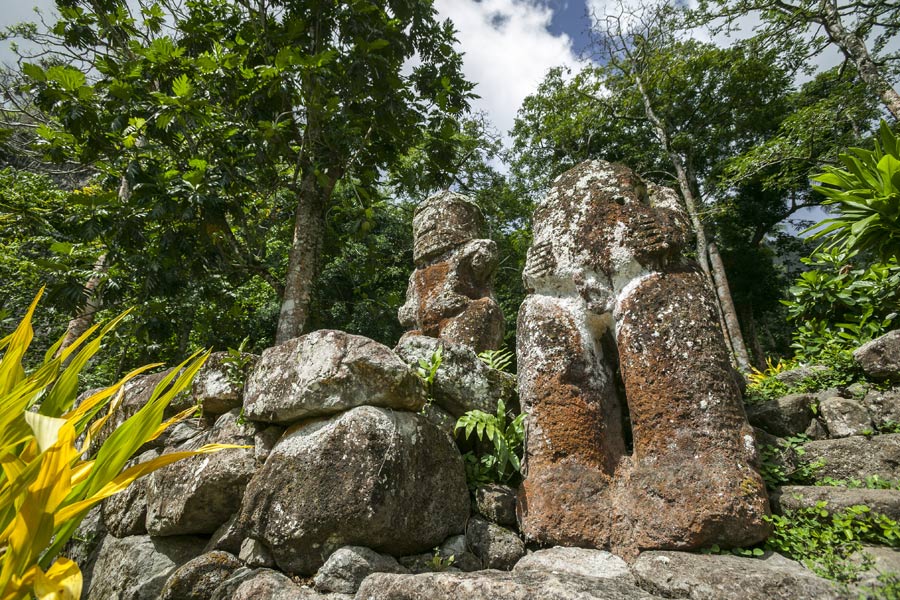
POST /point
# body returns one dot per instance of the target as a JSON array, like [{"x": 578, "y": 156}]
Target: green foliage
[
  {"x": 502, "y": 463},
  {"x": 885, "y": 587},
  {"x": 497, "y": 359},
  {"x": 774, "y": 461},
  {"x": 438, "y": 563},
  {"x": 867, "y": 195},
  {"x": 838, "y": 305},
  {"x": 872, "y": 482},
  {"x": 427, "y": 369},
  {"x": 824, "y": 541}
]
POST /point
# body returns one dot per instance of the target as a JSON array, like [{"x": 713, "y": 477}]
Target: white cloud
[{"x": 508, "y": 50}]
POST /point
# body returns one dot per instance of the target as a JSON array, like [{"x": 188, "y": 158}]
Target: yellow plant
[
  {"x": 46, "y": 486},
  {"x": 757, "y": 377}
]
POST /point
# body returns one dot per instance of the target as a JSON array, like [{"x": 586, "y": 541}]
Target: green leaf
[
  {"x": 70, "y": 79},
  {"x": 181, "y": 86},
  {"x": 34, "y": 71}
]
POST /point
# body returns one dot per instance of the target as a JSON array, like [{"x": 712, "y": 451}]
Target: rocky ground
[{"x": 351, "y": 487}]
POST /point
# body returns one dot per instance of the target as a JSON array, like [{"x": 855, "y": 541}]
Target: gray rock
[
  {"x": 455, "y": 547},
  {"x": 880, "y": 358},
  {"x": 494, "y": 585},
  {"x": 216, "y": 388},
  {"x": 199, "y": 494},
  {"x": 856, "y": 457},
  {"x": 784, "y": 416},
  {"x": 880, "y": 561},
  {"x": 883, "y": 406},
  {"x": 197, "y": 578},
  {"x": 463, "y": 382},
  {"x": 228, "y": 537},
  {"x": 576, "y": 561},
  {"x": 844, "y": 417},
  {"x": 326, "y": 372},
  {"x": 264, "y": 441},
  {"x": 727, "y": 577},
  {"x": 345, "y": 569},
  {"x": 497, "y": 503},
  {"x": 137, "y": 567},
  {"x": 793, "y": 497},
  {"x": 497, "y": 547},
  {"x": 858, "y": 389},
  {"x": 125, "y": 513},
  {"x": 776, "y": 450},
  {"x": 255, "y": 554},
  {"x": 440, "y": 418},
  {"x": 262, "y": 584},
  {"x": 816, "y": 431},
  {"x": 795, "y": 376},
  {"x": 390, "y": 480}
]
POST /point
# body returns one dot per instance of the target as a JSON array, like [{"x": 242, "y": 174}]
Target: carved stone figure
[
  {"x": 450, "y": 292},
  {"x": 606, "y": 288}
]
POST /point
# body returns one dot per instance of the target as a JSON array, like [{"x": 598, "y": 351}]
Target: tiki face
[{"x": 442, "y": 222}]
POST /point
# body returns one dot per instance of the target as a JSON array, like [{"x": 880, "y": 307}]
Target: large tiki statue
[
  {"x": 450, "y": 292},
  {"x": 607, "y": 288}
]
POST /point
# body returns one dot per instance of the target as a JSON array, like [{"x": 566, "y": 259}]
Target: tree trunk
[
  {"x": 730, "y": 314},
  {"x": 854, "y": 48},
  {"x": 85, "y": 316},
  {"x": 304, "y": 255},
  {"x": 759, "y": 355}
]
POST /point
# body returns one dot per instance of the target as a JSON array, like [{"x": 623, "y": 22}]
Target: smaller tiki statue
[
  {"x": 450, "y": 292},
  {"x": 613, "y": 307}
]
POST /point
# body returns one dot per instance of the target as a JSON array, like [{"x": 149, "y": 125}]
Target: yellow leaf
[
  {"x": 62, "y": 581},
  {"x": 46, "y": 429},
  {"x": 126, "y": 477}
]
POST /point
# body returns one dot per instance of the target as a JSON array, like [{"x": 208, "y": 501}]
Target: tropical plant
[
  {"x": 47, "y": 486},
  {"x": 507, "y": 435},
  {"x": 497, "y": 359},
  {"x": 428, "y": 368},
  {"x": 867, "y": 195}
]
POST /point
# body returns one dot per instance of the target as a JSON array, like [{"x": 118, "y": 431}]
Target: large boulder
[
  {"x": 219, "y": 385},
  {"x": 577, "y": 561},
  {"x": 785, "y": 416},
  {"x": 496, "y": 585},
  {"x": 855, "y": 457},
  {"x": 497, "y": 503},
  {"x": 197, "y": 495},
  {"x": 793, "y": 497},
  {"x": 844, "y": 416},
  {"x": 727, "y": 577},
  {"x": 137, "y": 567},
  {"x": 197, "y": 578},
  {"x": 463, "y": 382},
  {"x": 370, "y": 476},
  {"x": 345, "y": 569},
  {"x": 883, "y": 406},
  {"x": 880, "y": 358},
  {"x": 327, "y": 372},
  {"x": 125, "y": 513}
]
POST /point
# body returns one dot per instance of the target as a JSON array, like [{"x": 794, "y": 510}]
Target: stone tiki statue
[
  {"x": 450, "y": 293},
  {"x": 607, "y": 286}
]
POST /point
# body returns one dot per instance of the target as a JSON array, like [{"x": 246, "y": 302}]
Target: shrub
[
  {"x": 502, "y": 462},
  {"x": 46, "y": 486}
]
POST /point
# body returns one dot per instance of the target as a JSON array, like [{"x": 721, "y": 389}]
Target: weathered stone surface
[
  {"x": 216, "y": 388},
  {"x": 844, "y": 416},
  {"x": 450, "y": 293},
  {"x": 463, "y": 382},
  {"x": 576, "y": 561},
  {"x": 264, "y": 441},
  {"x": 255, "y": 554},
  {"x": 603, "y": 270},
  {"x": 137, "y": 567},
  {"x": 440, "y": 418},
  {"x": 496, "y": 585},
  {"x": 345, "y": 569},
  {"x": 497, "y": 547},
  {"x": 327, "y": 372},
  {"x": 880, "y": 358},
  {"x": 785, "y": 416},
  {"x": 795, "y": 376},
  {"x": 125, "y": 513},
  {"x": 265, "y": 584},
  {"x": 856, "y": 457},
  {"x": 881, "y": 561},
  {"x": 199, "y": 494},
  {"x": 456, "y": 547},
  {"x": 727, "y": 577},
  {"x": 390, "y": 480},
  {"x": 497, "y": 503},
  {"x": 792, "y": 497},
  {"x": 883, "y": 406},
  {"x": 199, "y": 577},
  {"x": 228, "y": 537}
]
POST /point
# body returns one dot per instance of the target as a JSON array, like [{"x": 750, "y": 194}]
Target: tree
[
  {"x": 860, "y": 29},
  {"x": 222, "y": 116}
]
